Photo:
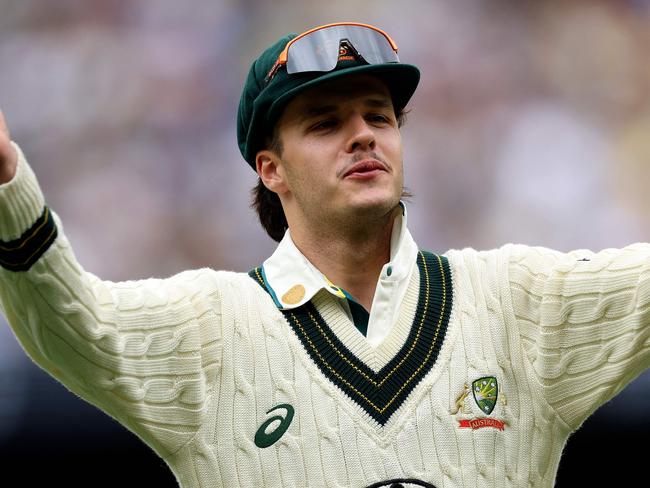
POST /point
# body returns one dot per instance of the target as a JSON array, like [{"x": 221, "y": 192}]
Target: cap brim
[{"x": 401, "y": 80}]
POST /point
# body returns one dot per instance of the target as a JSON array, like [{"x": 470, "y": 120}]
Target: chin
[{"x": 374, "y": 204}]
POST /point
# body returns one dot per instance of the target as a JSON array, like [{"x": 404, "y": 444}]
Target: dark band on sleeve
[{"x": 22, "y": 253}]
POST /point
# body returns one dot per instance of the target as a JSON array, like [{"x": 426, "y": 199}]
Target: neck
[{"x": 351, "y": 256}]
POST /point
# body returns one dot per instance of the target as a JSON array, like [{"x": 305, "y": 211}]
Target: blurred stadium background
[{"x": 531, "y": 124}]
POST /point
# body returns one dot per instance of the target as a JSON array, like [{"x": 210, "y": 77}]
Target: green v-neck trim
[{"x": 381, "y": 393}]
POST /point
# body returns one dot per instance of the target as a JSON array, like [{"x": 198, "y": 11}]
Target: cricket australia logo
[{"x": 485, "y": 391}]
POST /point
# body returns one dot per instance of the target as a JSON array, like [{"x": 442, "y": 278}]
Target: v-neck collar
[
  {"x": 292, "y": 280},
  {"x": 380, "y": 393}
]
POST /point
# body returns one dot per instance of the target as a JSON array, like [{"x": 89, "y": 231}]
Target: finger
[{"x": 3, "y": 125}]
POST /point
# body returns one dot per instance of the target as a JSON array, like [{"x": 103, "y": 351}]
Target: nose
[{"x": 362, "y": 137}]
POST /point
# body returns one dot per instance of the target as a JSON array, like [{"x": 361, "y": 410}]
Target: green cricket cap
[{"x": 261, "y": 103}]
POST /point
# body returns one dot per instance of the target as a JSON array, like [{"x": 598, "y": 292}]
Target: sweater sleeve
[
  {"x": 146, "y": 352},
  {"x": 584, "y": 321}
]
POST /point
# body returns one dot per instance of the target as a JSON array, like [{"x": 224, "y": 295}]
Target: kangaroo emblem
[{"x": 460, "y": 401}]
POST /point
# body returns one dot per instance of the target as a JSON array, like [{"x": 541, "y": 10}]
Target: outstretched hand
[{"x": 8, "y": 156}]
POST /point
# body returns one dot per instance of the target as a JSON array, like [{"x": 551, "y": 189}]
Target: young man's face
[{"x": 341, "y": 151}]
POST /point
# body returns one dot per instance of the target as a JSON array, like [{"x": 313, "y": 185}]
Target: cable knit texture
[{"x": 193, "y": 363}]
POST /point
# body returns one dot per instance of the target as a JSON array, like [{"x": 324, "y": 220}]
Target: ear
[{"x": 271, "y": 172}]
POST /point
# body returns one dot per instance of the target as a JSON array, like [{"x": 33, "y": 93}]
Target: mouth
[{"x": 368, "y": 168}]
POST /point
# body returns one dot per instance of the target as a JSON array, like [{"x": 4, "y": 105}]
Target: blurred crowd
[{"x": 530, "y": 124}]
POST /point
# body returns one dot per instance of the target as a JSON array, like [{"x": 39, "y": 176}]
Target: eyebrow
[{"x": 378, "y": 102}]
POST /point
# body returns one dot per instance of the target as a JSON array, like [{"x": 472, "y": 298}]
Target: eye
[
  {"x": 324, "y": 124},
  {"x": 379, "y": 118}
]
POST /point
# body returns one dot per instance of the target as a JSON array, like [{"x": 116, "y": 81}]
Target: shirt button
[{"x": 389, "y": 271}]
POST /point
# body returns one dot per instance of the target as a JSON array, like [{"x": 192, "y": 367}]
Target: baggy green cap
[{"x": 262, "y": 103}]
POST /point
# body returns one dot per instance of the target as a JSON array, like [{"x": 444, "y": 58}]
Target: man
[{"x": 349, "y": 358}]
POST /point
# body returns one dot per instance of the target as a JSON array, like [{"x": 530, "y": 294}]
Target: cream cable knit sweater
[{"x": 195, "y": 364}]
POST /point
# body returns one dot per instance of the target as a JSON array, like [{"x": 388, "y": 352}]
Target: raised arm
[
  {"x": 146, "y": 352},
  {"x": 584, "y": 320},
  {"x": 8, "y": 155}
]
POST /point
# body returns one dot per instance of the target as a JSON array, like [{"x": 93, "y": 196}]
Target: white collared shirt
[{"x": 292, "y": 280}]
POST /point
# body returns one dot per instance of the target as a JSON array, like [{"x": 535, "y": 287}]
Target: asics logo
[{"x": 265, "y": 438}]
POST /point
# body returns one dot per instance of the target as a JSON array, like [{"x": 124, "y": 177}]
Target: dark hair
[{"x": 267, "y": 203}]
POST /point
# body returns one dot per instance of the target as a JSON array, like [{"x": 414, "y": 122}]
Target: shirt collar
[{"x": 292, "y": 280}]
